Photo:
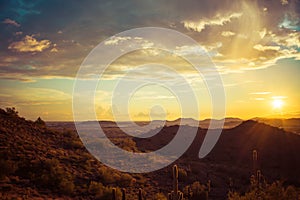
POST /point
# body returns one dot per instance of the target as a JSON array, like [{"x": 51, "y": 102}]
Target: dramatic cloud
[
  {"x": 238, "y": 35},
  {"x": 227, "y": 33},
  {"x": 30, "y": 44},
  {"x": 246, "y": 40},
  {"x": 290, "y": 40},
  {"x": 260, "y": 47},
  {"x": 116, "y": 40},
  {"x": 11, "y": 22},
  {"x": 54, "y": 50},
  {"x": 216, "y": 21},
  {"x": 260, "y": 93}
]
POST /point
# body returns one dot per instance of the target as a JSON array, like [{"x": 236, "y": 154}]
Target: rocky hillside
[{"x": 38, "y": 163}]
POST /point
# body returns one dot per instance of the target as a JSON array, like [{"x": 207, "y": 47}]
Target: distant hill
[
  {"x": 146, "y": 126},
  {"x": 291, "y": 125},
  {"x": 278, "y": 150},
  {"x": 229, "y": 122}
]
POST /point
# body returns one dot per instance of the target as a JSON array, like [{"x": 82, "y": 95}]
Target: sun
[{"x": 277, "y": 103}]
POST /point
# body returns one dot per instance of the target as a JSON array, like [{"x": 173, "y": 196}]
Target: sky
[{"x": 254, "y": 46}]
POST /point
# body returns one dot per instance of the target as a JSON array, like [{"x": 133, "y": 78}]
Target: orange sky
[{"x": 254, "y": 45}]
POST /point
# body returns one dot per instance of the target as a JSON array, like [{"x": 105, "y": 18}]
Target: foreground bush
[
  {"x": 6, "y": 168},
  {"x": 267, "y": 192}
]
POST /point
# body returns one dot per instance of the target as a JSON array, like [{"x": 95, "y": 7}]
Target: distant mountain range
[{"x": 290, "y": 125}]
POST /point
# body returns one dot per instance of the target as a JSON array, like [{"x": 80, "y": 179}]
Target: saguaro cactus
[
  {"x": 175, "y": 194},
  {"x": 254, "y": 160},
  {"x": 140, "y": 194},
  {"x": 123, "y": 194},
  {"x": 208, "y": 185},
  {"x": 114, "y": 194},
  {"x": 175, "y": 179},
  {"x": 258, "y": 177}
]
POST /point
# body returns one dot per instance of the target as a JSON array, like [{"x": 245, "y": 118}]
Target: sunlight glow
[{"x": 277, "y": 103}]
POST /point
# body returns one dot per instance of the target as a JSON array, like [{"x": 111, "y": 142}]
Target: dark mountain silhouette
[
  {"x": 278, "y": 150},
  {"x": 231, "y": 158},
  {"x": 291, "y": 124}
]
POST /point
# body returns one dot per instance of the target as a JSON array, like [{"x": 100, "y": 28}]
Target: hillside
[
  {"x": 291, "y": 125},
  {"x": 278, "y": 154},
  {"x": 41, "y": 162},
  {"x": 37, "y": 162},
  {"x": 278, "y": 149}
]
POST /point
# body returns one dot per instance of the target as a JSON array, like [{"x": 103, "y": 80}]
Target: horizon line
[{"x": 190, "y": 118}]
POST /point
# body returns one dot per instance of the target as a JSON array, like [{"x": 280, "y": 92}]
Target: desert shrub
[
  {"x": 66, "y": 186},
  {"x": 86, "y": 165},
  {"x": 272, "y": 191},
  {"x": 40, "y": 122},
  {"x": 268, "y": 191},
  {"x": 140, "y": 179},
  {"x": 126, "y": 144},
  {"x": 48, "y": 174},
  {"x": 159, "y": 196},
  {"x": 95, "y": 188},
  {"x": 290, "y": 193},
  {"x": 68, "y": 133},
  {"x": 73, "y": 143},
  {"x": 125, "y": 180},
  {"x": 71, "y": 140},
  {"x": 196, "y": 191},
  {"x": 110, "y": 177},
  {"x": 182, "y": 175},
  {"x": 6, "y": 167},
  {"x": 106, "y": 176},
  {"x": 12, "y": 112},
  {"x": 235, "y": 196},
  {"x": 77, "y": 144},
  {"x": 99, "y": 191}
]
